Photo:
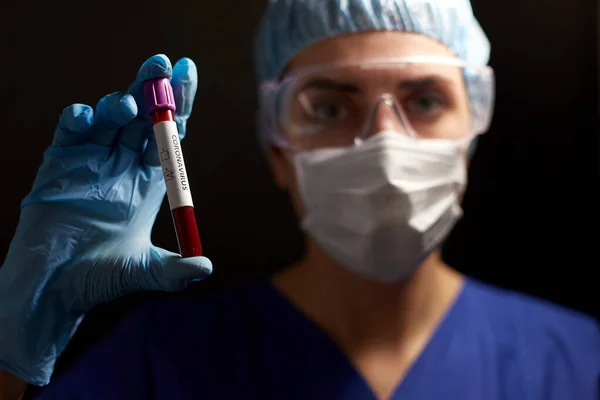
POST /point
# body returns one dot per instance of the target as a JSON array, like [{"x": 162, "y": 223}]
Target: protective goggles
[{"x": 343, "y": 104}]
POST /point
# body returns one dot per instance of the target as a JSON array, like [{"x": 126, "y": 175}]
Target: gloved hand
[{"x": 83, "y": 236}]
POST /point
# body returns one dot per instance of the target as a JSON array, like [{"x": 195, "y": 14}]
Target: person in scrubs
[{"x": 368, "y": 110}]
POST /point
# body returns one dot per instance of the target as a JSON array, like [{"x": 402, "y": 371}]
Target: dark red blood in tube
[
  {"x": 187, "y": 231},
  {"x": 184, "y": 218}
]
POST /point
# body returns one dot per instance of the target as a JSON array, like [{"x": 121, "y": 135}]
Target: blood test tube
[{"x": 160, "y": 104}]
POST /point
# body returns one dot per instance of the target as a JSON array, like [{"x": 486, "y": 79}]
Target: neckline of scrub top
[{"x": 435, "y": 345}]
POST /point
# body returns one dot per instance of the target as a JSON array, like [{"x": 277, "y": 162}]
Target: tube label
[{"x": 173, "y": 166}]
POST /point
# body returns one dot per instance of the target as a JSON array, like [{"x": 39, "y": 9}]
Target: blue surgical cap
[{"x": 289, "y": 26}]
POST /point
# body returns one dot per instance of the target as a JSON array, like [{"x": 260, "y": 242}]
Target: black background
[{"x": 531, "y": 219}]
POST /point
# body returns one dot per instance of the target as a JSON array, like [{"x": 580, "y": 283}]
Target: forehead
[
  {"x": 367, "y": 45},
  {"x": 382, "y": 76}
]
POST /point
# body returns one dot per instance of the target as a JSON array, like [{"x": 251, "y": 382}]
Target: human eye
[
  {"x": 326, "y": 111},
  {"x": 425, "y": 104}
]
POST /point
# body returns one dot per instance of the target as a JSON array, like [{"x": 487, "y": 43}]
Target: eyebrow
[
  {"x": 330, "y": 84},
  {"x": 421, "y": 82},
  {"x": 340, "y": 86}
]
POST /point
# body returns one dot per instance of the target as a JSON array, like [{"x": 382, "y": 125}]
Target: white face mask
[{"x": 382, "y": 207}]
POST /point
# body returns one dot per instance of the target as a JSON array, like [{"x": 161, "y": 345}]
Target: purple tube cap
[{"x": 158, "y": 95}]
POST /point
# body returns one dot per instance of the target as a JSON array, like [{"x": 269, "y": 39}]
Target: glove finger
[
  {"x": 104, "y": 279},
  {"x": 113, "y": 112},
  {"x": 157, "y": 66},
  {"x": 180, "y": 272},
  {"x": 73, "y": 125},
  {"x": 171, "y": 272},
  {"x": 136, "y": 134},
  {"x": 185, "y": 85},
  {"x": 151, "y": 157}
]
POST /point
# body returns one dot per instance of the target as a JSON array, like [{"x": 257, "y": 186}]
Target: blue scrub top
[{"x": 251, "y": 343}]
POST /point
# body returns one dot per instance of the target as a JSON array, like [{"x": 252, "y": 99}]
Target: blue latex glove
[{"x": 83, "y": 237}]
